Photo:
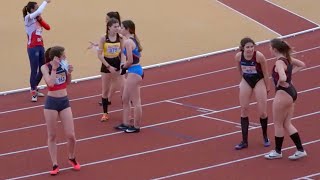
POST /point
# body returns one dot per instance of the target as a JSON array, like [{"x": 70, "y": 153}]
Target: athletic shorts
[
  {"x": 252, "y": 80},
  {"x": 114, "y": 62},
  {"x": 56, "y": 103},
  {"x": 290, "y": 90},
  {"x": 136, "y": 69}
]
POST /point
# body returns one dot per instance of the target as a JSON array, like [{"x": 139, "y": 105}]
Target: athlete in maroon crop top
[{"x": 283, "y": 103}]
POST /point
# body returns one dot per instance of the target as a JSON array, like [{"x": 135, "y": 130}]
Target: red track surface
[
  {"x": 177, "y": 136},
  {"x": 271, "y": 16}
]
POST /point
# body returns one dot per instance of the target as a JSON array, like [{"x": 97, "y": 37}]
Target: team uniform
[
  {"x": 111, "y": 51},
  {"x": 58, "y": 103},
  {"x": 252, "y": 74},
  {"x": 295, "y": 137},
  {"x": 135, "y": 68},
  {"x": 34, "y": 27},
  {"x": 290, "y": 89},
  {"x": 251, "y": 70}
]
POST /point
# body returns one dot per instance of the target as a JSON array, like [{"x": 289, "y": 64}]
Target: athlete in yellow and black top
[
  {"x": 111, "y": 51},
  {"x": 109, "y": 54}
]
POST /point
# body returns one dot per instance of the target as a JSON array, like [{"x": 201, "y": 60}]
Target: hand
[
  {"x": 70, "y": 69},
  {"x": 55, "y": 62},
  {"x": 92, "y": 44},
  {"x": 112, "y": 69}
]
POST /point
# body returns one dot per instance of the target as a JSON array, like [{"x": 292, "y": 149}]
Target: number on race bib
[
  {"x": 249, "y": 69},
  {"x": 60, "y": 79},
  {"x": 113, "y": 49},
  {"x": 39, "y": 32}
]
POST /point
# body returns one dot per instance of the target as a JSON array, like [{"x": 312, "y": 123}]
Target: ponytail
[
  {"x": 288, "y": 56},
  {"x": 287, "y": 51},
  {"x": 138, "y": 42},
  {"x": 118, "y": 16},
  {"x": 25, "y": 11}
]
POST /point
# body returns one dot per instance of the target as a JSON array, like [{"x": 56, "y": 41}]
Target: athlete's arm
[
  {"x": 100, "y": 52},
  {"x": 280, "y": 68},
  {"x": 38, "y": 11},
  {"x": 129, "y": 45},
  {"x": 264, "y": 66},
  {"x": 50, "y": 78},
  {"x": 237, "y": 59},
  {"x": 43, "y": 23},
  {"x": 69, "y": 75},
  {"x": 297, "y": 65}
]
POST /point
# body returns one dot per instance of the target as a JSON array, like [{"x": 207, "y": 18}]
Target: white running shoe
[
  {"x": 34, "y": 98},
  {"x": 39, "y": 94},
  {"x": 298, "y": 155},
  {"x": 273, "y": 155}
]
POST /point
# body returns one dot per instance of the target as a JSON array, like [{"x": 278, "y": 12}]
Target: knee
[
  {"x": 244, "y": 111},
  {"x": 263, "y": 115},
  {"x": 105, "y": 93},
  {"x": 278, "y": 125},
  {"x": 288, "y": 126},
  {"x": 52, "y": 137},
  {"x": 125, "y": 99},
  {"x": 138, "y": 106},
  {"x": 71, "y": 137}
]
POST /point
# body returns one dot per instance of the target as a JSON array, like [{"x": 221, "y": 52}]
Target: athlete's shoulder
[
  {"x": 238, "y": 56},
  {"x": 258, "y": 53},
  {"x": 260, "y": 57}
]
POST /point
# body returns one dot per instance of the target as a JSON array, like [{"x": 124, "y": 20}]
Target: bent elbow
[
  {"x": 50, "y": 84},
  {"x": 48, "y": 28}
]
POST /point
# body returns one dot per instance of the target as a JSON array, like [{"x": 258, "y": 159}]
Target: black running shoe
[
  {"x": 242, "y": 145},
  {"x": 132, "y": 129},
  {"x": 121, "y": 127}
]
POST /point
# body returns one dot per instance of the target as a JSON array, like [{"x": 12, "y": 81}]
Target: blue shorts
[
  {"x": 56, "y": 103},
  {"x": 136, "y": 69}
]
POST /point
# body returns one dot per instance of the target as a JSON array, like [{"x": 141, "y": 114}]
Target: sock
[
  {"x": 245, "y": 128},
  {"x": 279, "y": 141},
  {"x": 297, "y": 141},
  {"x": 264, "y": 126},
  {"x": 33, "y": 92},
  {"x": 105, "y": 105}
]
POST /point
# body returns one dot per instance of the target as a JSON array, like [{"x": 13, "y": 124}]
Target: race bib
[
  {"x": 249, "y": 69},
  {"x": 39, "y": 32},
  {"x": 61, "y": 78},
  {"x": 113, "y": 49}
]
